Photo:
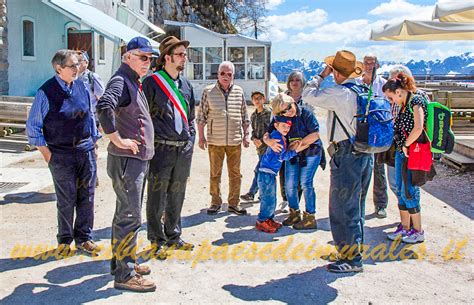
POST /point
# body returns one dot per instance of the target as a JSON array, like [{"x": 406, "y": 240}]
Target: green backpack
[{"x": 438, "y": 127}]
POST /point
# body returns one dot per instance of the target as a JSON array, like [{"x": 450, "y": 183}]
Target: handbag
[{"x": 419, "y": 155}]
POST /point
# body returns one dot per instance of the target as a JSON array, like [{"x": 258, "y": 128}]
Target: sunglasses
[
  {"x": 143, "y": 58},
  {"x": 228, "y": 74},
  {"x": 284, "y": 111}
]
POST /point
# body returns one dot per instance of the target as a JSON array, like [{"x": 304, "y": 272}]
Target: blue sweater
[{"x": 271, "y": 161}]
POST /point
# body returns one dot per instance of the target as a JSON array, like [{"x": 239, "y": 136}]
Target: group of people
[{"x": 151, "y": 121}]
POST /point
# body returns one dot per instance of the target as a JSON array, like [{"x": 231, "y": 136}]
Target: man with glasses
[
  {"x": 224, "y": 111},
  {"x": 171, "y": 100},
  {"x": 61, "y": 125},
  {"x": 125, "y": 118}
]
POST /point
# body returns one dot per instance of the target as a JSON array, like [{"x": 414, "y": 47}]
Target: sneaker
[
  {"x": 180, "y": 245},
  {"x": 283, "y": 205},
  {"x": 213, "y": 209},
  {"x": 274, "y": 223},
  {"x": 247, "y": 197},
  {"x": 64, "y": 250},
  {"x": 136, "y": 283},
  {"x": 413, "y": 236},
  {"x": 89, "y": 247},
  {"x": 140, "y": 269},
  {"x": 265, "y": 226},
  {"x": 345, "y": 266},
  {"x": 380, "y": 213},
  {"x": 237, "y": 210},
  {"x": 398, "y": 233}
]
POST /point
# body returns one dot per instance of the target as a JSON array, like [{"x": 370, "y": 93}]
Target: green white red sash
[{"x": 169, "y": 88}]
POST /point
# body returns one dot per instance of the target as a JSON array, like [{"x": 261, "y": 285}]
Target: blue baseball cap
[
  {"x": 282, "y": 119},
  {"x": 141, "y": 44}
]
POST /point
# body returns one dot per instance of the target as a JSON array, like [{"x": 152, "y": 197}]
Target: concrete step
[
  {"x": 459, "y": 161},
  {"x": 465, "y": 147}
]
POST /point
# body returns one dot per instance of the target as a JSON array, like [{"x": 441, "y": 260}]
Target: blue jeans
[
  {"x": 296, "y": 175},
  {"x": 350, "y": 178},
  {"x": 254, "y": 187},
  {"x": 414, "y": 191},
  {"x": 267, "y": 186}
]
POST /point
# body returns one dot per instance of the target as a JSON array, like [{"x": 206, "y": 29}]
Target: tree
[{"x": 247, "y": 15}]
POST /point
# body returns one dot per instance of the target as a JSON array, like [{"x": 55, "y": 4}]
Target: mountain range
[{"x": 461, "y": 64}]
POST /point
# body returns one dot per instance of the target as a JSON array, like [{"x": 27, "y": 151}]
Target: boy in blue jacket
[{"x": 269, "y": 166}]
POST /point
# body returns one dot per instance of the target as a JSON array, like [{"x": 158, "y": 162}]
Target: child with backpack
[
  {"x": 409, "y": 125},
  {"x": 270, "y": 164}
]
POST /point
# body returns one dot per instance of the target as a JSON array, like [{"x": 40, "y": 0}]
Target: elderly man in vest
[
  {"x": 61, "y": 125},
  {"x": 224, "y": 111},
  {"x": 125, "y": 118},
  {"x": 171, "y": 100},
  {"x": 350, "y": 170}
]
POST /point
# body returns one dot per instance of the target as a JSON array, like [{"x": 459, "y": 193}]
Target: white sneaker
[{"x": 413, "y": 236}]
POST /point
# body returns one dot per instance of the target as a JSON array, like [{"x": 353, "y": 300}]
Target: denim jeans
[
  {"x": 350, "y": 178},
  {"x": 296, "y": 175},
  {"x": 414, "y": 191},
  {"x": 74, "y": 177},
  {"x": 254, "y": 187},
  {"x": 267, "y": 186},
  {"x": 380, "y": 186}
]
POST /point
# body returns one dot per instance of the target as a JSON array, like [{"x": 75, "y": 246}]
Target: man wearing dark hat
[
  {"x": 125, "y": 118},
  {"x": 350, "y": 171},
  {"x": 171, "y": 100}
]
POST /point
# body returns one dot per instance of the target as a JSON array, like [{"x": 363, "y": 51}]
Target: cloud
[
  {"x": 333, "y": 32},
  {"x": 296, "y": 20},
  {"x": 272, "y": 4},
  {"x": 403, "y": 9}
]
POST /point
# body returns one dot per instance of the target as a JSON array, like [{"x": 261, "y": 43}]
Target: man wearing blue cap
[{"x": 125, "y": 118}]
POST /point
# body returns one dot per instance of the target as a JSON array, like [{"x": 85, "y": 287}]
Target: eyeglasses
[
  {"x": 73, "y": 66},
  {"x": 228, "y": 74},
  {"x": 295, "y": 80},
  {"x": 143, "y": 57},
  {"x": 180, "y": 54},
  {"x": 284, "y": 111}
]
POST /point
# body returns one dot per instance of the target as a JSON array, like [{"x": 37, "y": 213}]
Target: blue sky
[{"x": 318, "y": 28}]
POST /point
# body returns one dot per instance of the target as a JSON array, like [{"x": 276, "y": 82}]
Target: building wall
[{"x": 3, "y": 48}]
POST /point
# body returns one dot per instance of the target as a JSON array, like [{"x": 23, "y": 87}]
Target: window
[
  {"x": 101, "y": 47},
  {"x": 195, "y": 65},
  {"x": 256, "y": 62},
  {"x": 142, "y": 5},
  {"x": 28, "y": 33},
  {"x": 213, "y": 59},
  {"x": 237, "y": 57}
]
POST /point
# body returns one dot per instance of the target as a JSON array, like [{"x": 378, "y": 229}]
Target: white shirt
[
  {"x": 338, "y": 99},
  {"x": 377, "y": 85}
]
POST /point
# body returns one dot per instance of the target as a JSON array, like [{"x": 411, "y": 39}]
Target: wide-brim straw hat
[{"x": 345, "y": 63}]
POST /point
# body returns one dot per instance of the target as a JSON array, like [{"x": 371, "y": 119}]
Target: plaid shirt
[{"x": 260, "y": 122}]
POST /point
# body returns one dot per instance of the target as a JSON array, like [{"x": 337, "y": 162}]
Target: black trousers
[
  {"x": 167, "y": 179},
  {"x": 380, "y": 186}
]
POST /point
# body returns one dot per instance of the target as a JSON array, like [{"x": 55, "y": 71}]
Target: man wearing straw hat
[
  {"x": 350, "y": 170},
  {"x": 171, "y": 100}
]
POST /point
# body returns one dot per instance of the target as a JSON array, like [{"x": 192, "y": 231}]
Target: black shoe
[
  {"x": 345, "y": 266},
  {"x": 237, "y": 210},
  {"x": 159, "y": 251},
  {"x": 247, "y": 197},
  {"x": 213, "y": 209},
  {"x": 380, "y": 213},
  {"x": 180, "y": 245}
]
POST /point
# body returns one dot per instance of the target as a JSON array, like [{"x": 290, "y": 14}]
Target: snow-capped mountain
[{"x": 462, "y": 64}]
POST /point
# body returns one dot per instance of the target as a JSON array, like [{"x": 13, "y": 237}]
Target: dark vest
[
  {"x": 67, "y": 125},
  {"x": 134, "y": 122}
]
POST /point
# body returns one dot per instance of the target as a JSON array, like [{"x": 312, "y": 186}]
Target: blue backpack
[{"x": 374, "y": 131}]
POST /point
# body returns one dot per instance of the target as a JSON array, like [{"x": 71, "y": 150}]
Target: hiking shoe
[
  {"x": 380, "y": 213},
  {"x": 247, "y": 197},
  {"x": 64, "y": 250},
  {"x": 275, "y": 224},
  {"x": 265, "y": 226},
  {"x": 136, "y": 283},
  {"x": 140, "y": 269},
  {"x": 307, "y": 223},
  {"x": 413, "y": 236},
  {"x": 398, "y": 233},
  {"x": 345, "y": 266},
  {"x": 237, "y": 210},
  {"x": 213, "y": 209},
  {"x": 89, "y": 247},
  {"x": 293, "y": 218},
  {"x": 180, "y": 245}
]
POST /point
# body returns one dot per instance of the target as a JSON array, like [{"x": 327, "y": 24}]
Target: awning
[
  {"x": 141, "y": 20},
  {"x": 410, "y": 30},
  {"x": 454, "y": 12},
  {"x": 96, "y": 19}
]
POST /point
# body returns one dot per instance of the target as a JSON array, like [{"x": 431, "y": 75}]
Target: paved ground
[{"x": 241, "y": 266}]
